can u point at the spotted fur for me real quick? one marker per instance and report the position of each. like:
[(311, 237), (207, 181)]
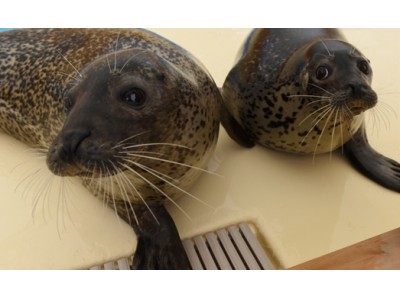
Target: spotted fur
[(132, 158), (272, 92), (304, 91)]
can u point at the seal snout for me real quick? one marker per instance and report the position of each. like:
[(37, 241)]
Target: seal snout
[(362, 91), (361, 98), (356, 99), (62, 158)]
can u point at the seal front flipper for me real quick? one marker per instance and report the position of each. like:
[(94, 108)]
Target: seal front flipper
[(375, 166), (235, 130), (159, 245)]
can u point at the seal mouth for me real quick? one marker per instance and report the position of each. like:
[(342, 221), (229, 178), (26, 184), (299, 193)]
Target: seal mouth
[(352, 105), (358, 106), (356, 110)]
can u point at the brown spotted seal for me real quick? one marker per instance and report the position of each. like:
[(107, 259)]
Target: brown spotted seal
[(131, 113), (304, 91)]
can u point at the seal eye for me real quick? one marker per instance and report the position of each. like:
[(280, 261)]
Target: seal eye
[(363, 67), (134, 97), (322, 73)]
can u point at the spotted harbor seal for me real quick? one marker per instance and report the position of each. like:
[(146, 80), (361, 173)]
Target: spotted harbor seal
[(304, 91), (131, 113)]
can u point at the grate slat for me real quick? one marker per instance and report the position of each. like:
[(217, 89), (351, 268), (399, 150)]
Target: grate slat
[(123, 264), (243, 248), (205, 253), (192, 255), (256, 247), (230, 250), (109, 266), (218, 252)]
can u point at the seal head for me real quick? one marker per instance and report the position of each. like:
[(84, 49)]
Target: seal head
[(119, 114), (332, 84)]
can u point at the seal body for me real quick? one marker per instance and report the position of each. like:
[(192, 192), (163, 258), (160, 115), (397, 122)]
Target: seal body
[(303, 91), (131, 113)]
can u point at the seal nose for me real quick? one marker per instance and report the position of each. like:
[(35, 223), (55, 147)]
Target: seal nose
[(64, 153), (360, 91), (70, 142)]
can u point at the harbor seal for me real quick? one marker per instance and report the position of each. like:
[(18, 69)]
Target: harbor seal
[(133, 115), (304, 91)]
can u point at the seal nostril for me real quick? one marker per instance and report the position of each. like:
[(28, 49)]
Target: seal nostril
[(354, 90), (70, 143), (359, 91)]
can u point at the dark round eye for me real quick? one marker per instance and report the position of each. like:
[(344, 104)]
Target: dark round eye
[(134, 97), (363, 67), (322, 73)]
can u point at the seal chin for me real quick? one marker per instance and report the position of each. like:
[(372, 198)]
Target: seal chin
[(358, 106), (362, 99), (62, 169), (356, 110)]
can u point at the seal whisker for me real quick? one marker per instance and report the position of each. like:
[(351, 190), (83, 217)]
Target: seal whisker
[(174, 162), (126, 200), (23, 163), (40, 190), (309, 96), (388, 108), (143, 152), (106, 182), (60, 208), (68, 75), (153, 170), (341, 129), (124, 192), (108, 63), (112, 192), (128, 60), (133, 188), (66, 197), (319, 101), (76, 70), (31, 175), (35, 182), (148, 170), (384, 111), (383, 115), (314, 112), (115, 53), (326, 47), (324, 90), (376, 119), (36, 150), (127, 139), (156, 144), (157, 189), (333, 131), (316, 121), (93, 172), (331, 110)]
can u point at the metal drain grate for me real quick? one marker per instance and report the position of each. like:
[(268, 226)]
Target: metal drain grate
[(121, 264), (233, 248)]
